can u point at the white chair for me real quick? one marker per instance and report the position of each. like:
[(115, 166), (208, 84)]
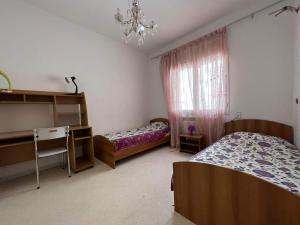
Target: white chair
[(43, 134)]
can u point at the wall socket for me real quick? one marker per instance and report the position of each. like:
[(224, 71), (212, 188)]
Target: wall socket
[(238, 116)]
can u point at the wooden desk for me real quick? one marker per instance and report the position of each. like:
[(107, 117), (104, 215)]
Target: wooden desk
[(18, 146)]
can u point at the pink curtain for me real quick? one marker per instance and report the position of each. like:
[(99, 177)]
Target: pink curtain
[(195, 80)]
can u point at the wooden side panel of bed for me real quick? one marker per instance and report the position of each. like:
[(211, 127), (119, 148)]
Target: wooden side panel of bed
[(104, 149), (261, 126), (124, 153), (212, 195)]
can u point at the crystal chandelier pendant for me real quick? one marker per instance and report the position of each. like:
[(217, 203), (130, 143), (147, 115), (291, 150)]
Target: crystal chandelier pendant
[(135, 25)]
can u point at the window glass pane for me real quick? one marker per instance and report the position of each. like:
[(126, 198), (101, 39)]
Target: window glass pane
[(210, 86), (186, 89)]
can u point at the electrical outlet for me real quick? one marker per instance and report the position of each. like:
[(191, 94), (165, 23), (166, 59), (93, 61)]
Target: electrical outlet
[(238, 115)]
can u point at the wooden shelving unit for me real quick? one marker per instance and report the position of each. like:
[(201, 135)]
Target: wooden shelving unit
[(19, 146), (191, 144), (82, 138)]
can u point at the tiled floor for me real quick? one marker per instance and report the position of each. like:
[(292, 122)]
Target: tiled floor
[(136, 193)]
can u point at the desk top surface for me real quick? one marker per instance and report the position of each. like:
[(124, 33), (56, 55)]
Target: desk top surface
[(28, 133)]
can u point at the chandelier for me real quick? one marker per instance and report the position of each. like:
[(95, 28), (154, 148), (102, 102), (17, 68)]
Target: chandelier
[(135, 23)]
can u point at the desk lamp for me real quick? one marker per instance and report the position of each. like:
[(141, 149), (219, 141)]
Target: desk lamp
[(69, 79)]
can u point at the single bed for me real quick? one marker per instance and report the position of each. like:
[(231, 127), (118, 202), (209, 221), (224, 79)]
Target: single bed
[(113, 147), (249, 177)]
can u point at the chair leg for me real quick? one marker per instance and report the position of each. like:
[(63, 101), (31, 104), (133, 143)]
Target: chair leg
[(37, 172), (63, 160), (68, 159)]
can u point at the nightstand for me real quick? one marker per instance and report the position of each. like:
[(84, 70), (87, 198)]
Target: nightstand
[(191, 143)]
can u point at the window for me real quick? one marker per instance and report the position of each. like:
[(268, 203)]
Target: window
[(195, 79), (186, 94), (201, 89)]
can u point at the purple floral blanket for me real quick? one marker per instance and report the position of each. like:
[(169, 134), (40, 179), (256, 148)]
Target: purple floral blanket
[(130, 138), (270, 158)]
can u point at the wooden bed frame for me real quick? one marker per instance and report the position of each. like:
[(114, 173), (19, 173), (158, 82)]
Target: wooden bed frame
[(261, 126), (104, 149), (213, 195)]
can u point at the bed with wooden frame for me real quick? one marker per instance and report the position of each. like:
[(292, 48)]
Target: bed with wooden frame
[(213, 195), (105, 151)]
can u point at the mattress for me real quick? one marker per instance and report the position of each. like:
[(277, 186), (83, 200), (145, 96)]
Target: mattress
[(270, 158), (130, 138)]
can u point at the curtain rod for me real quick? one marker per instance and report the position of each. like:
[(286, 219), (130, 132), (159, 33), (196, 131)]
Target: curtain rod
[(236, 21)]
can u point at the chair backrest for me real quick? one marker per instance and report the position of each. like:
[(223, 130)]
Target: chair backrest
[(42, 134)]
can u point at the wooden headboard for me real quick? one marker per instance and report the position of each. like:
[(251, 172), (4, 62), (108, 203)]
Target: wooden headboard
[(160, 120), (261, 126)]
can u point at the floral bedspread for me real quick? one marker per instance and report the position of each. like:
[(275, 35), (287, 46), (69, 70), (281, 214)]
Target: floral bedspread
[(270, 158), (130, 138)]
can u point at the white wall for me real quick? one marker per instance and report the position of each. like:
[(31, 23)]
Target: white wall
[(297, 80), (38, 50), (261, 66)]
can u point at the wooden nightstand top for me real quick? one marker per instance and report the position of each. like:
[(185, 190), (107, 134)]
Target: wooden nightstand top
[(199, 136)]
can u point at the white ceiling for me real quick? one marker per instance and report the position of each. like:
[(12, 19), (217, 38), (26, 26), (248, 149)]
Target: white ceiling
[(174, 17)]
